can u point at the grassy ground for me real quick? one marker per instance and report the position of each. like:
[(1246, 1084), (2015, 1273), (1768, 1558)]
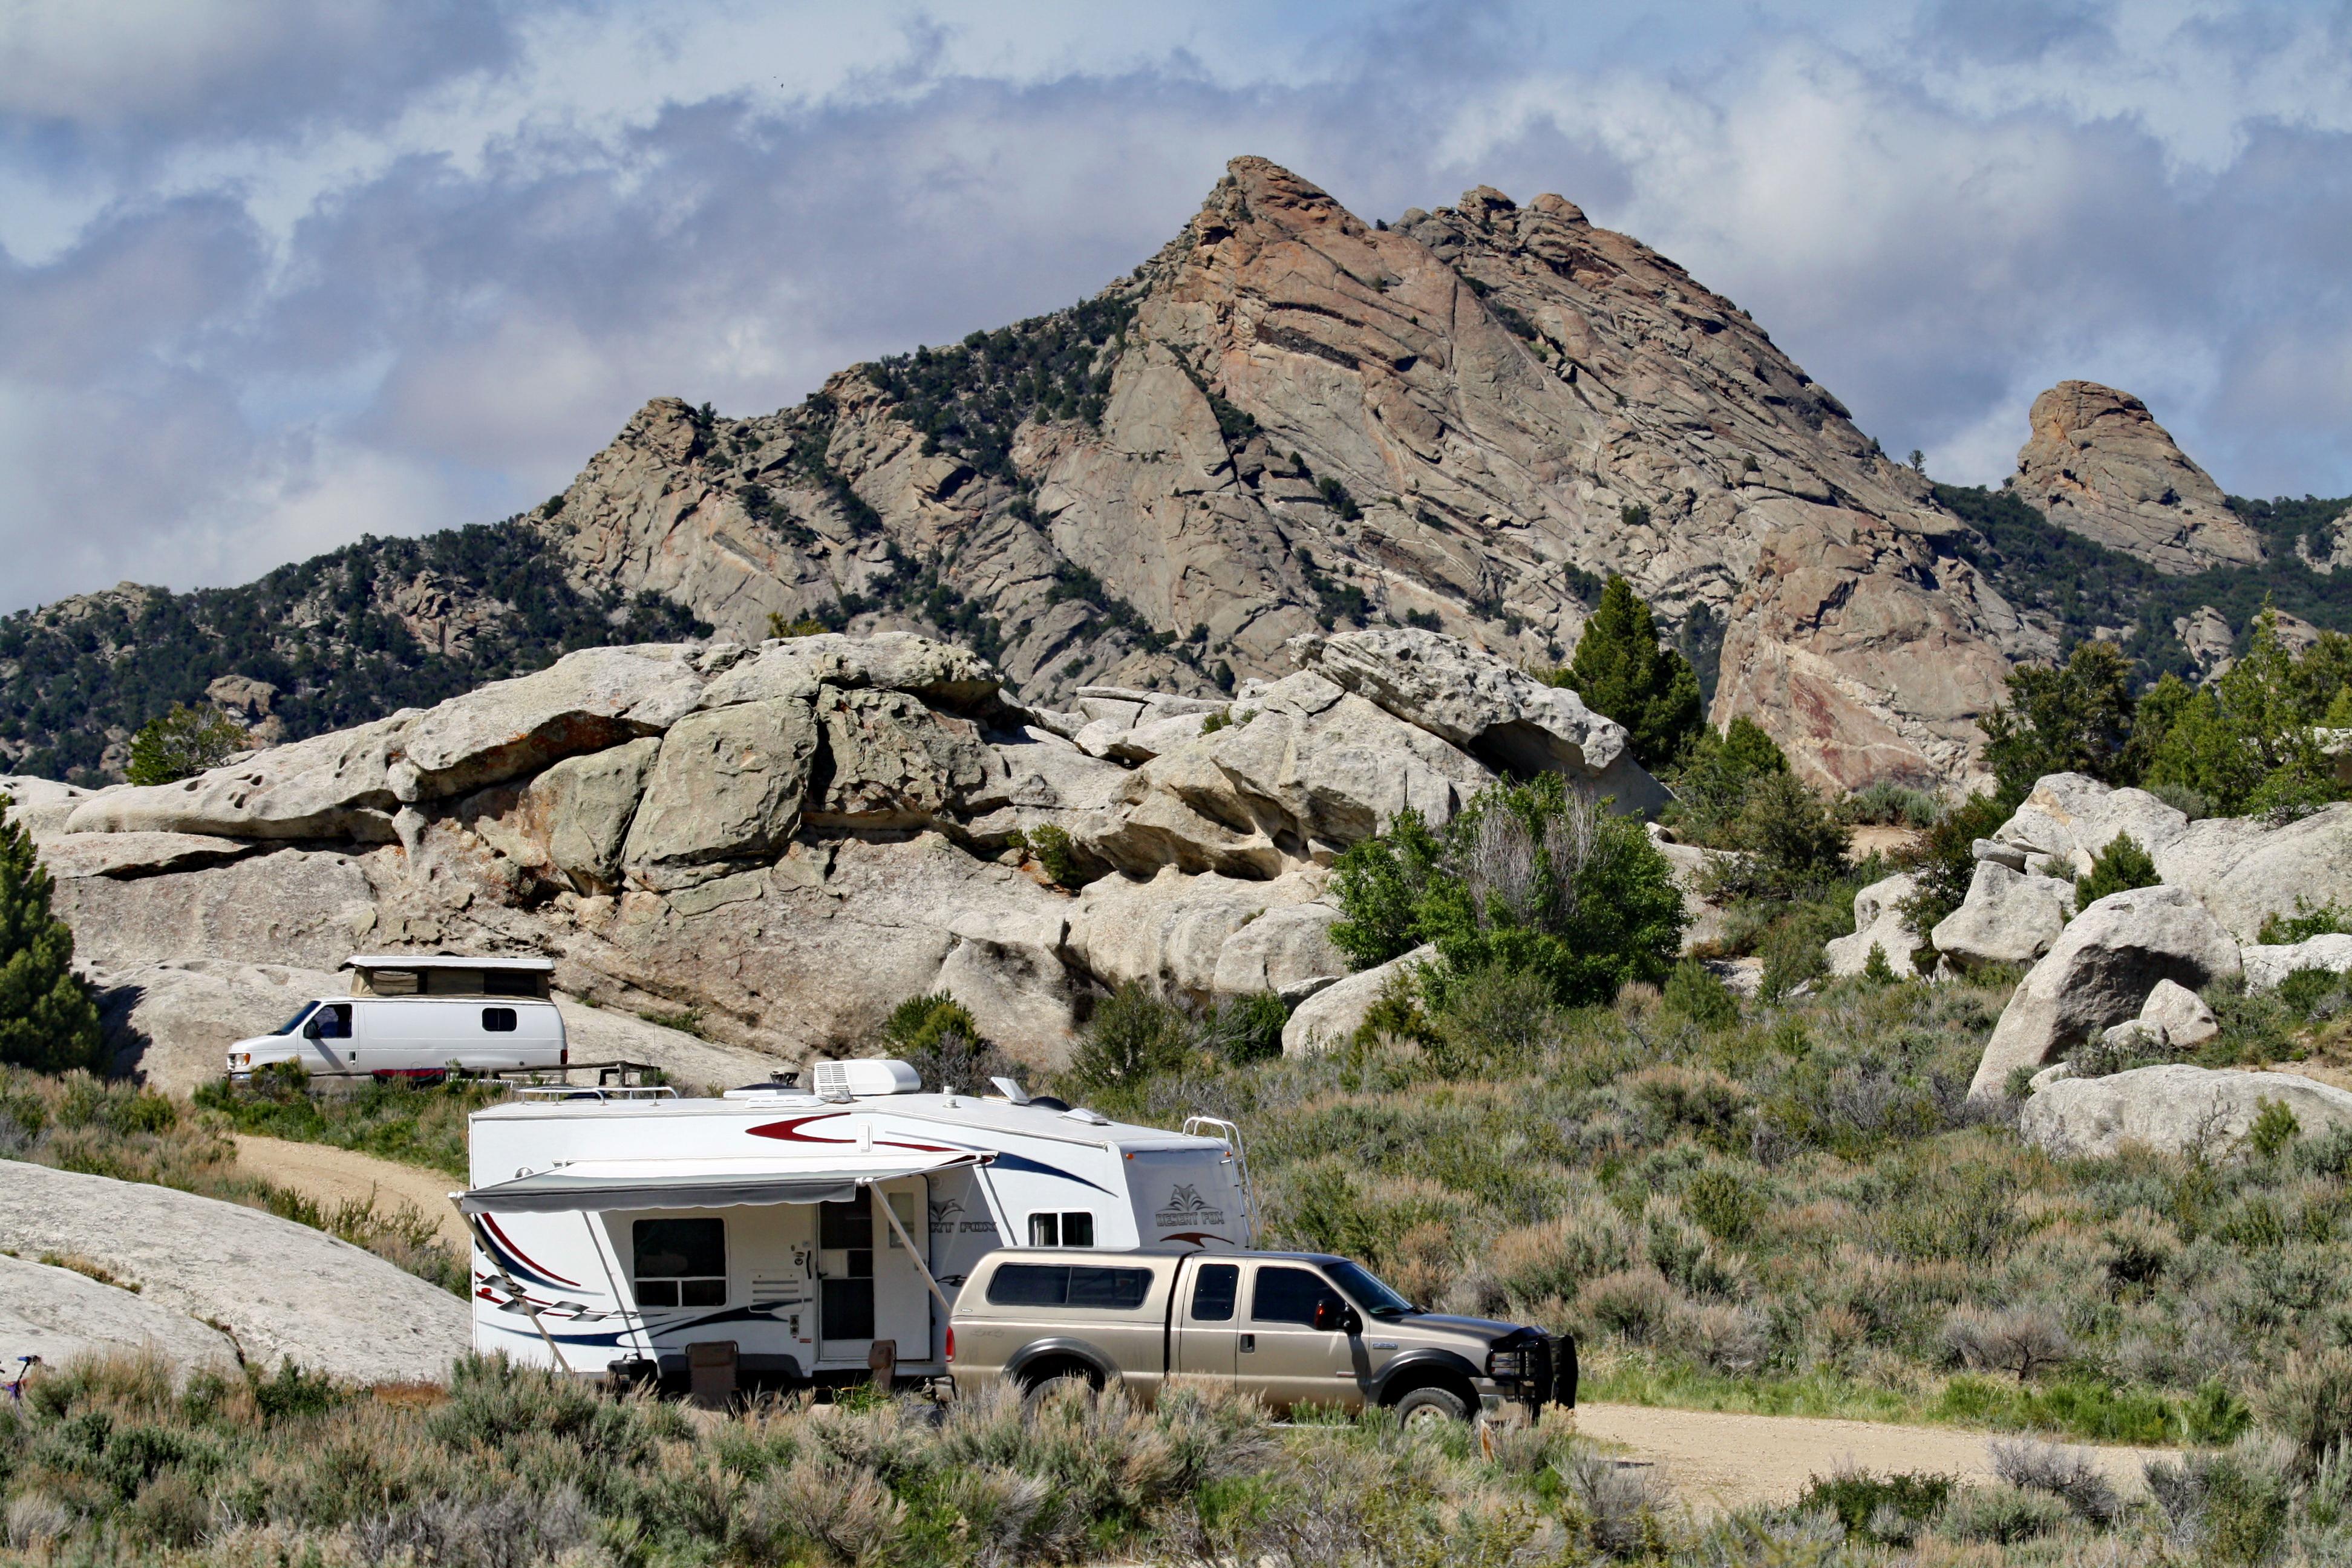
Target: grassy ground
[(112, 1461), (1794, 1207)]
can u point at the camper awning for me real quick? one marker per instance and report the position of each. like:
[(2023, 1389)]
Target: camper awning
[(594, 1185)]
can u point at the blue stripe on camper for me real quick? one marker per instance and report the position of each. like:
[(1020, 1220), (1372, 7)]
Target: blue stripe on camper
[(1022, 1162)]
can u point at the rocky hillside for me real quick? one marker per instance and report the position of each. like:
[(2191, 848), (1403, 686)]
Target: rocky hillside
[(694, 830), (1286, 420)]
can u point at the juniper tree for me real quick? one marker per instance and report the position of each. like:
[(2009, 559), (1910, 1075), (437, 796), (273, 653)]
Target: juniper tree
[(47, 1019), (1620, 672)]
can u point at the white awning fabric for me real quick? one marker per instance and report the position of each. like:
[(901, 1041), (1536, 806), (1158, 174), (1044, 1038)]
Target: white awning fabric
[(593, 1186)]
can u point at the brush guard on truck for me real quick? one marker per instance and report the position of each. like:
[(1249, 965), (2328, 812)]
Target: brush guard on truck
[(1535, 1369)]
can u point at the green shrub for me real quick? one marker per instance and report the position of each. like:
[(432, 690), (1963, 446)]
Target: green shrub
[(2122, 866), (1693, 990), (1888, 803), (1498, 1018), (1867, 1504), (1945, 863), (182, 743), (2274, 1127), (1247, 1029), (2075, 719), (1876, 969), (1528, 877), (918, 1022), (2284, 930), (1715, 781), (1058, 856), (1134, 1034), (1789, 844), (2002, 1515)]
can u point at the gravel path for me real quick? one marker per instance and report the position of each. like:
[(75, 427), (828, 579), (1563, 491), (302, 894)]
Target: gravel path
[(330, 1176), (1724, 1460)]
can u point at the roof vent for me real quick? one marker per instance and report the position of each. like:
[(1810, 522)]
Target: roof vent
[(1091, 1117), (860, 1079)]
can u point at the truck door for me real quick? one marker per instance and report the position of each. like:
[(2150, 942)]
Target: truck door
[(1207, 1319), (1282, 1356), (335, 1038)]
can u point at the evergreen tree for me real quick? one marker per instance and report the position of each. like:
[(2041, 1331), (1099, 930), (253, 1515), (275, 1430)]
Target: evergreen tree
[(48, 1020), (2122, 866), (2074, 719), (1715, 782), (1620, 672), (182, 743)]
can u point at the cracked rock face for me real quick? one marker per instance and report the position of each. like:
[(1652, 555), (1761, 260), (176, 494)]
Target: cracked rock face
[(1306, 420), (2098, 463)]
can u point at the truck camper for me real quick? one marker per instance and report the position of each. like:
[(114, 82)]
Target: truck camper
[(778, 1234), (420, 1015)]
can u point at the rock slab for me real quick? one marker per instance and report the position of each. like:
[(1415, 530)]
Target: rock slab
[(2174, 1108)]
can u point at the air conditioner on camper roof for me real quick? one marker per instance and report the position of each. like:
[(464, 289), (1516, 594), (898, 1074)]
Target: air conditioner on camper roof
[(860, 1079)]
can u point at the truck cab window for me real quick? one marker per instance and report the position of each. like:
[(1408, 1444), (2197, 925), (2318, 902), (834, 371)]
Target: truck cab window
[(1072, 1227), (1288, 1296), (497, 1020), (1215, 1289), (680, 1262)]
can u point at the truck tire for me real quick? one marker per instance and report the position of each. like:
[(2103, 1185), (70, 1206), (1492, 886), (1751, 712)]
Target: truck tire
[(1062, 1380), (1429, 1404)]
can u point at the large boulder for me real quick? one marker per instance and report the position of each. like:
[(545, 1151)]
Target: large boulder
[(2267, 966), (2100, 973), (126, 855), (1173, 931), (2068, 818), (40, 807), (1878, 922), (2174, 1108), (585, 701), (891, 762), (585, 806), (1331, 1016), (1491, 709), (333, 786), (2182, 1014), (57, 1313), (2247, 870), (2009, 917), (300, 908), (279, 1289), (1287, 951), (727, 784), (940, 673), (1304, 771)]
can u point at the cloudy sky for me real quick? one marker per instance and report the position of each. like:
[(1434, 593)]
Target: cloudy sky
[(274, 274)]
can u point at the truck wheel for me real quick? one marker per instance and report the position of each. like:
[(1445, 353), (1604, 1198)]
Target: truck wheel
[(1062, 1382), (1430, 1405)]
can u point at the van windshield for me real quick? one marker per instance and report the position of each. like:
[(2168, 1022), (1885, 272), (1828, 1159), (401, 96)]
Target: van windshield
[(1371, 1295), (294, 1023)]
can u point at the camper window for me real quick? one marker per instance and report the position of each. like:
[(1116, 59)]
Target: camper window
[(1074, 1227), (497, 1020), (508, 982), (680, 1262)]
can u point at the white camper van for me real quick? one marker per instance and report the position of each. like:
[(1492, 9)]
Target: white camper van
[(783, 1236), (413, 1015)]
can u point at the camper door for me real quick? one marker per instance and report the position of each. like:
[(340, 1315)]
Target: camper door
[(868, 1287)]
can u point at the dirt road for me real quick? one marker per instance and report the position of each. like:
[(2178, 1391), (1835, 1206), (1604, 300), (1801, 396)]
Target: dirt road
[(1729, 1461), (330, 1176)]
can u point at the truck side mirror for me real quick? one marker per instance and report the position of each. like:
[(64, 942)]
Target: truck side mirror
[(1335, 1317), (311, 1031)]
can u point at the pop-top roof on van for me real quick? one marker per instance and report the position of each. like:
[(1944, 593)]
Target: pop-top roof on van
[(447, 961)]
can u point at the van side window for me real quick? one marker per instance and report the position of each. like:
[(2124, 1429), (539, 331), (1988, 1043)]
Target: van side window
[(497, 1020), (334, 1021), (507, 983), (680, 1262), (1052, 1285), (1072, 1227), (1288, 1296), (1214, 1291)]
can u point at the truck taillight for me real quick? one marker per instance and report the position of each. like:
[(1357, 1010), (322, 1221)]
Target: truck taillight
[(563, 1057), (951, 1342)]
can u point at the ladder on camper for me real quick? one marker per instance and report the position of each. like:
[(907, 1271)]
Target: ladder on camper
[(1230, 1135)]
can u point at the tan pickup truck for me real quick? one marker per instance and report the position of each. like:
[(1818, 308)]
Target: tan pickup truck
[(1293, 1328)]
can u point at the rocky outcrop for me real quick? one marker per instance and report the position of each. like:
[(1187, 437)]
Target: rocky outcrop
[(2008, 917), (2099, 464), (2172, 1108), (1330, 1018), (586, 701), (1202, 936), (1878, 922), (278, 1289), (334, 786), (2100, 973), (1290, 417), (2267, 966), (2247, 870), (56, 1315), (2068, 819), (728, 785)]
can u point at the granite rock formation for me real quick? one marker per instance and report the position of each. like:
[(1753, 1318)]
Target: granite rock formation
[(2098, 463)]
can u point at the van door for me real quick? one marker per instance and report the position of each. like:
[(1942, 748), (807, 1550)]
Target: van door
[(1208, 1312), (1282, 1356)]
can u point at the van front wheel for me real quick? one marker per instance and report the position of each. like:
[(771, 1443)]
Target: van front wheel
[(1429, 1407)]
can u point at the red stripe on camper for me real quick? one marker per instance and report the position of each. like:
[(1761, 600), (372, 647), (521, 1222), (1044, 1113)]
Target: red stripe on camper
[(788, 1131), (524, 1257)]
